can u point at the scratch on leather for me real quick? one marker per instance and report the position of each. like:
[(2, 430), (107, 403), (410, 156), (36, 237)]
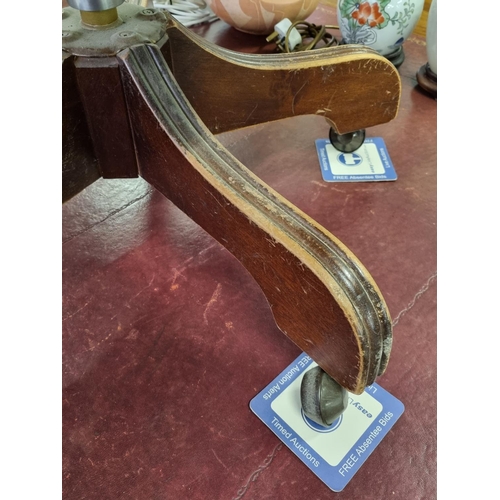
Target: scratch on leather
[(255, 474), (77, 311), (414, 300), (211, 302), (141, 290), (111, 214)]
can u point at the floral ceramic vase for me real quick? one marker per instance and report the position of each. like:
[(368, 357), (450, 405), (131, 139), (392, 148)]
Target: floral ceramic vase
[(259, 16), (382, 25)]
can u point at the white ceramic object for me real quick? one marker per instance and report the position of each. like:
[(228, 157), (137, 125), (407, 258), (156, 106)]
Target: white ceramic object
[(259, 16), (382, 25), (431, 37)]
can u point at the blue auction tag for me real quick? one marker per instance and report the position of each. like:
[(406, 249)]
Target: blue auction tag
[(369, 163), (333, 453)]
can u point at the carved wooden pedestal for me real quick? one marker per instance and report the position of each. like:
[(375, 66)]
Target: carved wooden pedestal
[(146, 102)]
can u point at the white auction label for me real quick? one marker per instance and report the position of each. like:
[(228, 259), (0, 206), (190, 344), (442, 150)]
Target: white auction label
[(333, 453), (369, 163)]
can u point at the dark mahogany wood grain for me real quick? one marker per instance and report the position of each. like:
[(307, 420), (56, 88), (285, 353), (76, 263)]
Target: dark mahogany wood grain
[(320, 295), (352, 86), (79, 163), (100, 87), (141, 122)]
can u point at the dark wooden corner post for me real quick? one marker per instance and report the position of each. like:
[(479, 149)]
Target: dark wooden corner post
[(127, 113)]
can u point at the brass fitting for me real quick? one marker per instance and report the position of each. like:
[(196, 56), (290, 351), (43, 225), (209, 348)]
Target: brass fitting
[(96, 13), (99, 17)]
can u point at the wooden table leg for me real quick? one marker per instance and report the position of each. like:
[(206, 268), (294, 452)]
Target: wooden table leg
[(140, 122), (321, 296), (352, 86), (79, 163)]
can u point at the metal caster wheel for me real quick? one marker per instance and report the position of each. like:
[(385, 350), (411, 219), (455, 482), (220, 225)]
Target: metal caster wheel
[(323, 399), (347, 143)]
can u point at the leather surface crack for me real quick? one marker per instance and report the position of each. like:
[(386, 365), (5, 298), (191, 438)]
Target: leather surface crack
[(111, 214), (414, 300), (255, 474)]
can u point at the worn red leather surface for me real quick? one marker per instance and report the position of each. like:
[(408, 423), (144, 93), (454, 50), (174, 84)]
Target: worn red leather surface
[(166, 338)]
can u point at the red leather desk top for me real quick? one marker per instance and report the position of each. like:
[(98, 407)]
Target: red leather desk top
[(166, 338)]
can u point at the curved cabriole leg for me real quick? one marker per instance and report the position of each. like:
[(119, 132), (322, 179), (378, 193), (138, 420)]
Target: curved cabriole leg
[(352, 86), (321, 296)]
